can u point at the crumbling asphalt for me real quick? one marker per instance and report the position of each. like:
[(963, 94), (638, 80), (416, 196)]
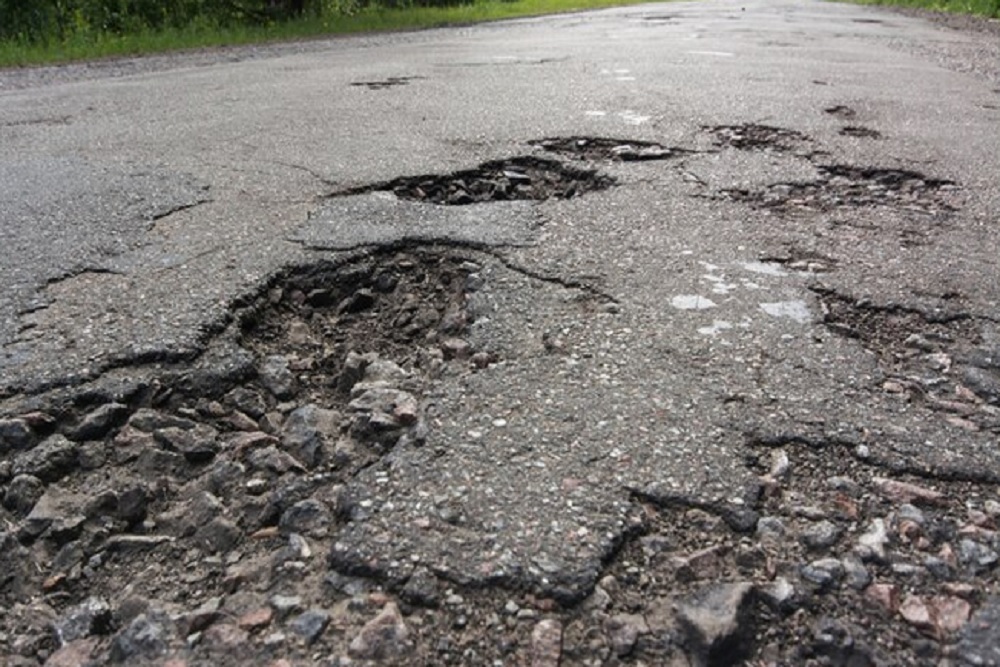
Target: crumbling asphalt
[(660, 335)]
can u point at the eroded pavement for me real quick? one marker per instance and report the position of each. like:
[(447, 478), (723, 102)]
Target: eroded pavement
[(665, 335)]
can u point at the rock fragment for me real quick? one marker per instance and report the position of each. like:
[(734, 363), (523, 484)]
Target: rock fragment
[(715, 623), (546, 643), (384, 637)]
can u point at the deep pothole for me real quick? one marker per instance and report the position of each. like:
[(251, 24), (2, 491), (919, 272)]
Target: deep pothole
[(754, 136), (606, 148), (848, 186), (519, 178)]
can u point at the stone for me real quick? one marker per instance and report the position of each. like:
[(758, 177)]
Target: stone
[(844, 485), (382, 638), (98, 423), (915, 611), (546, 644), (50, 460), (14, 562), (905, 492), (856, 575), (148, 420), (824, 573), (309, 625), (623, 631), (246, 401), (309, 517), (884, 595), (821, 535), (256, 619), (224, 636), (700, 564), (197, 444), (131, 504), (715, 623), (56, 512), (285, 605), (951, 613), (79, 653), (307, 431), (771, 529), (196, 621), (778, 594), (871, 544), (15, 435), (90, 617), (979, 641), (22, 493), (456, 348), (275, 375), (146, 638), (976, 556), (422, 588)]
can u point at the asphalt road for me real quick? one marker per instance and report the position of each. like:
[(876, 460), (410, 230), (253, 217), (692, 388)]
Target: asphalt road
[(140, 200)]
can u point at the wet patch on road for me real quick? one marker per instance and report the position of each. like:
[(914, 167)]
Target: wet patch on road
[(753, 136), (604, 148), (848, 186), (519, 178)]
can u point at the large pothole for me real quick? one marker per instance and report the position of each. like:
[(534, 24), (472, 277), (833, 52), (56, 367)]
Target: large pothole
[(753, 136), (847, 186), (605, 148), (519, 178)]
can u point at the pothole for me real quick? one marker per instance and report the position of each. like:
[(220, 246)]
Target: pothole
[(519, 178), (933, 357), (859, 132), (390, 82), (841, 111), (752, 136), (847, 186), (604, 148), (797, 259)]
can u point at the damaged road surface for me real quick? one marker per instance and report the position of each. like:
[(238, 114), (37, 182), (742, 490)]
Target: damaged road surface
[(341, 353)]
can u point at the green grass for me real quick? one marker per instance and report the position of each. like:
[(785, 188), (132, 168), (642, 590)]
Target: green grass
[(987, 8), (88, 47)]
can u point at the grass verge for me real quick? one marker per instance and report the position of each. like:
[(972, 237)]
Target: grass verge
[(369, 20), (986, 8)]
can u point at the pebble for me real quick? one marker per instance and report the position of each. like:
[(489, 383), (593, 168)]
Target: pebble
[(821, 535), (871, 545), (714, 617), (546, 644), (90, 617), (310, 624), (97, 424), (277, 378), (51, 460), (905, 492), (885, 595), (285, 605), (825, 573), (383, 638), (856, 575), (143, 640), (15, 434), (976, 556)]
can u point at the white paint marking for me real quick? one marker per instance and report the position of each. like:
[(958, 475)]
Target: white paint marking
[(691, 302), (718, 326), (766, 268), (793, 310)]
